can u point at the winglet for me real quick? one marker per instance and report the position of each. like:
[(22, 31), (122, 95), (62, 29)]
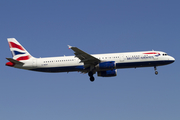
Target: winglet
[(69, 46)]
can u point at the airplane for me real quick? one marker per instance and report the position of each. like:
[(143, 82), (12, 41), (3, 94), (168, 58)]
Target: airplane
[(105, 65)]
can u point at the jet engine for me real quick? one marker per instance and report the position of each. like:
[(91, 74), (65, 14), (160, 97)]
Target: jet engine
[(108, 73), (106, 65)]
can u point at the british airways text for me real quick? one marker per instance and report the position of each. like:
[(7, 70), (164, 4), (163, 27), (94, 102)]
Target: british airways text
[(140, 57)]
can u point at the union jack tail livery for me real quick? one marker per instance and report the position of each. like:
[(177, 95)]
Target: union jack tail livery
[(19, 53)]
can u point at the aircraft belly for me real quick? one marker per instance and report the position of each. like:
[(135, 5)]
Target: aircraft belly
[(142, 64), (59, 69)]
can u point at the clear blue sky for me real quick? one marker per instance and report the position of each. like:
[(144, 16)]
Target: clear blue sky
[(46, 27)]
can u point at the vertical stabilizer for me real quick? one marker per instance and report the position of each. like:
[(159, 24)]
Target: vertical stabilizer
[(19, 53)]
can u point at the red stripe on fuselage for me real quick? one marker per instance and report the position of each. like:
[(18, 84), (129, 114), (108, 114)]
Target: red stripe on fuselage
[(151, 53), (14, 45), (23, 58)]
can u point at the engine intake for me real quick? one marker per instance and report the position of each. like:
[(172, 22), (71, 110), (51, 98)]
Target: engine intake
[(108, 73)]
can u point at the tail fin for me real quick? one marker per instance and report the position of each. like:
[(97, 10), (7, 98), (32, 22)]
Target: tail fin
[(19, 53)]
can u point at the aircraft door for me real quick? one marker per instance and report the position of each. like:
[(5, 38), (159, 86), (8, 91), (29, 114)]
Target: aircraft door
[(34, 63), (121, 58), (155, 57)]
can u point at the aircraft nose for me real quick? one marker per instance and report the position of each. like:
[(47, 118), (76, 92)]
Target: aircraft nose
[(172, 59)]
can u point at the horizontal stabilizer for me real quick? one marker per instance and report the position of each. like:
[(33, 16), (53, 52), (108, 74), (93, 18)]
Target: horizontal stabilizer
[(15, 61)]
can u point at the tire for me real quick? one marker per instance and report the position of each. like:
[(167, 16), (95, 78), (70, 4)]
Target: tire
[(91, 79)]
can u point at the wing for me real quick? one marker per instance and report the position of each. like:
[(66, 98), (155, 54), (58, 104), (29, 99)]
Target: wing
[(86, 58)]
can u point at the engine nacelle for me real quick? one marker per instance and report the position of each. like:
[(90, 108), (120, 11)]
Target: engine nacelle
[(108, 73), (106, 65)]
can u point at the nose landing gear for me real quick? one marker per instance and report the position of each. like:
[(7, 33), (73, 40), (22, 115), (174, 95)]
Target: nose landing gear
[(156, 72)]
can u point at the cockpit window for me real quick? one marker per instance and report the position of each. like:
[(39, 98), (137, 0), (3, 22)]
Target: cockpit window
[(165, 54)]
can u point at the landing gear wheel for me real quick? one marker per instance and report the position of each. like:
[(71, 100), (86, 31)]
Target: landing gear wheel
[(91, 76), (92, 79), (156, 72)]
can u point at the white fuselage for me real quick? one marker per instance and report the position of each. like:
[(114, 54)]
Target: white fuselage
[(122, 60)]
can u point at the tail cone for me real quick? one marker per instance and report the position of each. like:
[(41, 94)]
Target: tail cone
[(11, 64)]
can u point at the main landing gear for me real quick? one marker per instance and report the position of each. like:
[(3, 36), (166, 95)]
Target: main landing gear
[(91, 76), (156, 72)]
